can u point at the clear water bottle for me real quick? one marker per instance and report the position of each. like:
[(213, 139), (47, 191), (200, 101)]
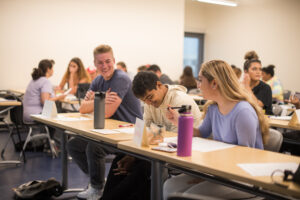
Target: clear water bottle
[(185, 131), (99, 110)]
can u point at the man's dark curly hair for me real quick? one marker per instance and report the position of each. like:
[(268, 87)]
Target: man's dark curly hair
[(142, 82)]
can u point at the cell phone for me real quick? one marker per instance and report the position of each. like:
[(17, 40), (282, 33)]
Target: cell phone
[(165, 149)]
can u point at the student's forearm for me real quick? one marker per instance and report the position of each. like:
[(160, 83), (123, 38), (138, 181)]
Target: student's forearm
[(87, 107)]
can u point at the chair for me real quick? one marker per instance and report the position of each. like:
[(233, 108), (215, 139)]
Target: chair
[(286, 94), (184, 196), (274, 141), (81, 90)]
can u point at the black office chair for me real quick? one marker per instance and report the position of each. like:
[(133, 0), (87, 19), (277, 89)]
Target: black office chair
[(81, 90)]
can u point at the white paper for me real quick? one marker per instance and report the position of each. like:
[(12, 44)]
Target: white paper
[(4, 100), (287, 118), (266, 169), (298, 114), (203, 145), (49, 109), (70, 119), (105, 131), (125, 130), (138, 132)]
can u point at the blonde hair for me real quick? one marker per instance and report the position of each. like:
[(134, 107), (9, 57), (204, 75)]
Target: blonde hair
[(81, 72), (231, 89), (103, 48)]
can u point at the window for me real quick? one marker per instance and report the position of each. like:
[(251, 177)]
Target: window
[(193, 51)]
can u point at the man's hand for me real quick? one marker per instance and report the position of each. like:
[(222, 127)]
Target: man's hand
[(172, 115), (111, 97), (90, 95), (124, 165)]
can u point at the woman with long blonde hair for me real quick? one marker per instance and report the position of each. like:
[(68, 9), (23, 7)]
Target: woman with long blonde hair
[(74, 75), (230, 115)]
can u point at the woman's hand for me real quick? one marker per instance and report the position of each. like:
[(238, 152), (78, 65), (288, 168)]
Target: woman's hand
[(246, 81), (172, 115)]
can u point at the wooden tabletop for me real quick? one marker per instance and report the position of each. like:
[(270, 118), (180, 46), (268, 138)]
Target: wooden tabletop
[(282, 124), (84, 127), (10, 103), (20, 91), (223, 163)]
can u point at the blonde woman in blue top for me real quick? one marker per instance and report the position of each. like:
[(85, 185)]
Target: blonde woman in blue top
[(231, 116)]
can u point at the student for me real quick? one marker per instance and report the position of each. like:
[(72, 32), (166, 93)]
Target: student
[(164, 79), (260, 91), (122, 66), (39, 90), (231, 116), (237, 71), (187, 79), (275, 84), (133, 181), (142, 68), (120, 104), (75, 74)]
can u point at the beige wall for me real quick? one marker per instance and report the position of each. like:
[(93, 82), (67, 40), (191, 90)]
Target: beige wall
[(271, 27), (140, 32)]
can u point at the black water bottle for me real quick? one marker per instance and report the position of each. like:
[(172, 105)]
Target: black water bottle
[(99, 110)]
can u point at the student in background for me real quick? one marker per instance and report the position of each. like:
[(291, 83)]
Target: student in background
[(92, 71), (142, 68), (237, 71), (187, 79), (134, 180), (75, 74), (120, 104), (164, 79), (122, 66), (275, 84), (39, 90), (231, 116), (261, 91)]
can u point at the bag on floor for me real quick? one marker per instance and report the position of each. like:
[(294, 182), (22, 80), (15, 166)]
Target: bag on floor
[(38, 190)]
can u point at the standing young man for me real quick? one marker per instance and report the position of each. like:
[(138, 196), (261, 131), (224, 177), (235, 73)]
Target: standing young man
[(120, 104)]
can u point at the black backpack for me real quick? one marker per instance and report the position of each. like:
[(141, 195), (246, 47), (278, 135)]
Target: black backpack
[(38, 190)]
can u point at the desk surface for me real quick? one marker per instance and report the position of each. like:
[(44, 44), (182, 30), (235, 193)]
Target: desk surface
[(20, 91), (10, 103), (223, 163), (84, 127), (69, 101), (282, 124)]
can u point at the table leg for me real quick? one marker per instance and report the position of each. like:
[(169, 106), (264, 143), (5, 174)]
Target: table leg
[(156, 180), (64, 161)]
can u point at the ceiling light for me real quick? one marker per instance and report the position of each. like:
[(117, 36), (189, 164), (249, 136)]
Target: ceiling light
[(220, 2)]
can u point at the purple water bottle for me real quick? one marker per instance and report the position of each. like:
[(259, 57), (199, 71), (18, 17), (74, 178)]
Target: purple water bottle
[(185, 131)]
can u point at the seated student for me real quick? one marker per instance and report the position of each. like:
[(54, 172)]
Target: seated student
[(122, 66), (120, 104), (187, 79), (39, 90), (164, 79), (273, 82), (129, 178), (75, 74), (237, 71), (231, 116), (260, 91), (142, 68), (92, 71)]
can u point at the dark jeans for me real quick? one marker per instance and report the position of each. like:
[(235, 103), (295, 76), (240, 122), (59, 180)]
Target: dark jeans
[(90, 158), (134, 186)]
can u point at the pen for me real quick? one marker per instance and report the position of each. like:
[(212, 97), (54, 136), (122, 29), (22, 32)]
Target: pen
[(125, 125), (174, 107)]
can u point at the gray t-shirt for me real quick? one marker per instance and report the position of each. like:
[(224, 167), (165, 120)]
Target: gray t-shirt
[(130, 107), (32, 103), (165, 79), (240, 126)]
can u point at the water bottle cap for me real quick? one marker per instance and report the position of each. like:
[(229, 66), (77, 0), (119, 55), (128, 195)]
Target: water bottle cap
[(100, 94), (185, 109)]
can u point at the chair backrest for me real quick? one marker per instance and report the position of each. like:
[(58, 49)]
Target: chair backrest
[(274, 141), (82, 89), (286, 94), (184, 196)]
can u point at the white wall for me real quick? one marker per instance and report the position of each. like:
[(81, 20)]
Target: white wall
[(270, 27), (140, 32)]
